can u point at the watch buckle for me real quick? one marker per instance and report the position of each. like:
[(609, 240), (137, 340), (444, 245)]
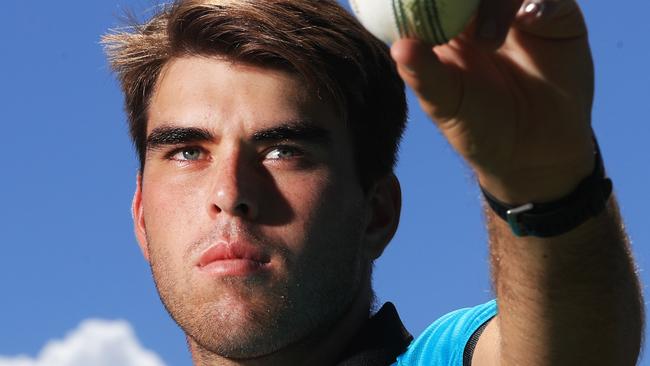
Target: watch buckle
[(513, 219)]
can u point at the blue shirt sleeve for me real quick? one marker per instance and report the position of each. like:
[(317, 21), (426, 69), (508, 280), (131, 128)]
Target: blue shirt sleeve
[(443, 342)]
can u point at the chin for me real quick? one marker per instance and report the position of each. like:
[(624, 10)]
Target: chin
[(237, 329)]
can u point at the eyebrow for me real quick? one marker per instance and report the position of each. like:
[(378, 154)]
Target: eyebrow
[(297, 131), (161, 136)]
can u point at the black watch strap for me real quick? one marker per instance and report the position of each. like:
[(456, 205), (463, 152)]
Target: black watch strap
[(560, 216)]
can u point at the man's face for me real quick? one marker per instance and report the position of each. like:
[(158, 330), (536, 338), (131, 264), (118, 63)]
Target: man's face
[(249, 208)]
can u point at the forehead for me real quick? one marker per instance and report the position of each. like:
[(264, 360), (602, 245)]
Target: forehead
[(218, 93)]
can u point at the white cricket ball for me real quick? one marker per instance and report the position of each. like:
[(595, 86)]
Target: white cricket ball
[(434, 21)]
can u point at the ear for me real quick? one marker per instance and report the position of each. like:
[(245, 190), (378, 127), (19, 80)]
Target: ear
[(138, 218), (384, 208)]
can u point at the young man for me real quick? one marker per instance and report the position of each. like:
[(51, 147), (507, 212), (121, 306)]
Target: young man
[(267, 133)]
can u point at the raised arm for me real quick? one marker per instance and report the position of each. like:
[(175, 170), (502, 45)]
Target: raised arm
[(513, 96)]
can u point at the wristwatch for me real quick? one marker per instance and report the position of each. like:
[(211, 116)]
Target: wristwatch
[(560, 216)]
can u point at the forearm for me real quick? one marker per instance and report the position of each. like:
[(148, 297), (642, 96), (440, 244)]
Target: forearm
[(568, 300), (521, 118)]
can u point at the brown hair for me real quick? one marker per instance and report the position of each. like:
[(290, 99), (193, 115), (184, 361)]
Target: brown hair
[(317, 39)]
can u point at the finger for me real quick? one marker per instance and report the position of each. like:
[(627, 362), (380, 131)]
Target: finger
[(551, 19), (494, 20), (436, 84)]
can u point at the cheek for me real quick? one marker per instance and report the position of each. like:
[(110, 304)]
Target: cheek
[(171, 210), (326, 210), (305, 195)]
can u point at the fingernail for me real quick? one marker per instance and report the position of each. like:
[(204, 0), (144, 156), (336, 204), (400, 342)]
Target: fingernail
[(488, 29), (534, 8)]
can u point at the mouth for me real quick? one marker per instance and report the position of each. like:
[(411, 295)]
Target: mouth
[(233, 259)]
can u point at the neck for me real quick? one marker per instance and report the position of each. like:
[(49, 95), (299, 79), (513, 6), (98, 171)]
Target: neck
[(321, 348)]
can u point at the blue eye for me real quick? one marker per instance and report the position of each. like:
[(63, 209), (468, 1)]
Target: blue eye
[(189, 154), (281, 153)]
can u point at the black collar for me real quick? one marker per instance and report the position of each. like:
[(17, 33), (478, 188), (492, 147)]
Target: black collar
[(381, 339)]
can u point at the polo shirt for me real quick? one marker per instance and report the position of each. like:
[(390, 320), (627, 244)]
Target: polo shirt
[(449, 341)]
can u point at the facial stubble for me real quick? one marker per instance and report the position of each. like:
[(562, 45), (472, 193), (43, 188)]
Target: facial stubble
[(253, 316)]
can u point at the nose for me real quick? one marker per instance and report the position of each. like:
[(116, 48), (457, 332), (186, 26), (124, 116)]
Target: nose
[(234, 191)]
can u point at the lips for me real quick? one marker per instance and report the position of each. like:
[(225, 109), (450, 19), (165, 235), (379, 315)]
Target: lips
[(232, 259)]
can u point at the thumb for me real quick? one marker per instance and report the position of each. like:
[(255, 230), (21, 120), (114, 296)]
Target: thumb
[(437, 85)]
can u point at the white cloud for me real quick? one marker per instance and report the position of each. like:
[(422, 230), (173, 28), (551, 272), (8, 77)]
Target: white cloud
[(93, 343)]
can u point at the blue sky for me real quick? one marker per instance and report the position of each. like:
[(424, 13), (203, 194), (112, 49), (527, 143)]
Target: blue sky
[(67, 176)]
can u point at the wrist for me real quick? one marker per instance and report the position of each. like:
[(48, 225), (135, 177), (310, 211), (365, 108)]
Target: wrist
[(561, 215), (541, 183)]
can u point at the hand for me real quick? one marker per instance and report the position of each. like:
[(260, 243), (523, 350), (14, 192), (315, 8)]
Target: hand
[(513, 95)]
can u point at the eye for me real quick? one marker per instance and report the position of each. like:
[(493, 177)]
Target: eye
[(282, 153), (188, 154)]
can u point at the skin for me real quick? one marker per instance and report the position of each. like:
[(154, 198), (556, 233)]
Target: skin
[(513, 96), (296, 197)]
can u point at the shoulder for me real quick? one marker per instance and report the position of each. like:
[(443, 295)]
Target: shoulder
[(444, 341)]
